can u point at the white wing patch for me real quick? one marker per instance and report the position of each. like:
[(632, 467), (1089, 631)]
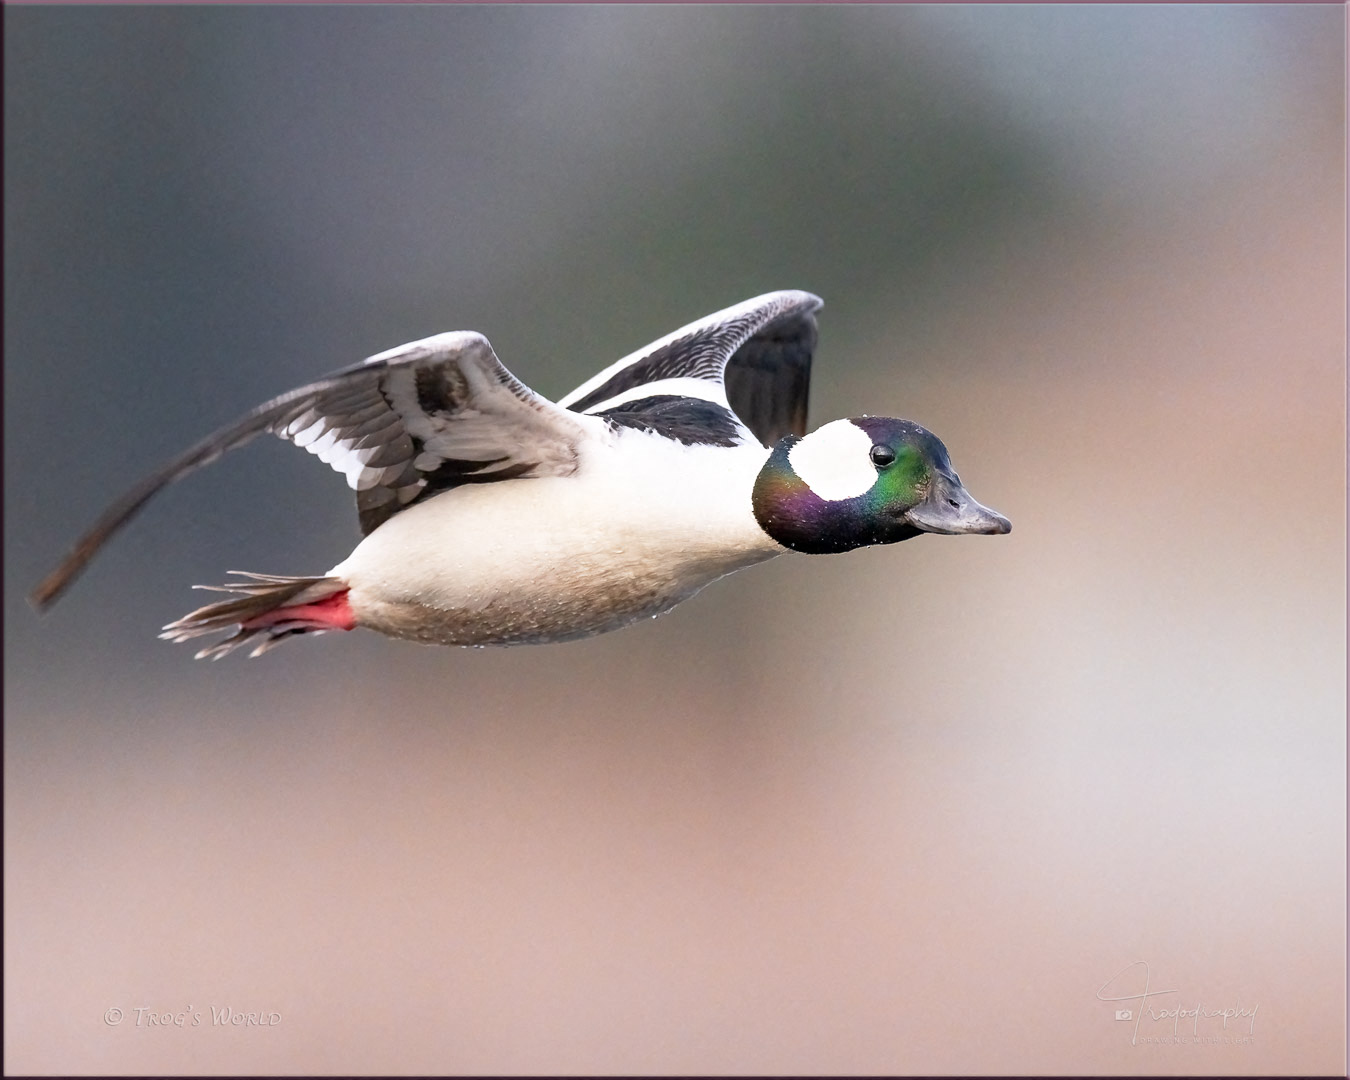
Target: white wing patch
[(770, 337), (737, 323), (834, 462), (346, 455), (703, 389)]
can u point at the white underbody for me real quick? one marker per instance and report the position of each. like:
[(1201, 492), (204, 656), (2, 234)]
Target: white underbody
[(643, 524)]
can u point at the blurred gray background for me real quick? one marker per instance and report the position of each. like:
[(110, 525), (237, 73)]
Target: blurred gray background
[(904, 810)]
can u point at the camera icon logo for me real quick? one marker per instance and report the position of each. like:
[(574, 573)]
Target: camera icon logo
[(1124, 1014)]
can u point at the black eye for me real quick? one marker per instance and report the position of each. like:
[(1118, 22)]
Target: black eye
[(882, 456)]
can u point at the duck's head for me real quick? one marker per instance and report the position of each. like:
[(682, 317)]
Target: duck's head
[(865, 480)]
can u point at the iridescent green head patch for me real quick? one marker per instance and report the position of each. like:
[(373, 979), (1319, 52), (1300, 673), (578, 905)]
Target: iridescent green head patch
[(847, 485)]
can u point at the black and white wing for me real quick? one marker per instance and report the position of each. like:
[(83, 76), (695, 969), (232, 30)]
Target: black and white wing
[(753, 359), (402, 425)]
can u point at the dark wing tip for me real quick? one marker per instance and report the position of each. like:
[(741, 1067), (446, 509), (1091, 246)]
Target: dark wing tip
[(53, 586), (698, 350), (768, 379), (50, 588)]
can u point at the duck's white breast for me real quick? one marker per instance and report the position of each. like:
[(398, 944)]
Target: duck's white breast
[(641, 525)]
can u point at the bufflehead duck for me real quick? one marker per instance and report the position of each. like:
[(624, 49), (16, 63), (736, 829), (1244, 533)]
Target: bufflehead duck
[(493, 516)]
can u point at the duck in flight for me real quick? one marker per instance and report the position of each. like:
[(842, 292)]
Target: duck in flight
[(493, 516)]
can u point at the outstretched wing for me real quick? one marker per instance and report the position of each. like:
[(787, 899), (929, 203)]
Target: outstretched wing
[(754, 359), (418, 419)]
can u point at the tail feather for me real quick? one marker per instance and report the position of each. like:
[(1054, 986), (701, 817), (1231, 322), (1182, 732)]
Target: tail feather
[(269, 607)]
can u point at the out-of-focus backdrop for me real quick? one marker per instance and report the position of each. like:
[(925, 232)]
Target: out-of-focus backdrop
[(913, 809)]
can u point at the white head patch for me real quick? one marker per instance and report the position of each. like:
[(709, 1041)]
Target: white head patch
[(834, 462)]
